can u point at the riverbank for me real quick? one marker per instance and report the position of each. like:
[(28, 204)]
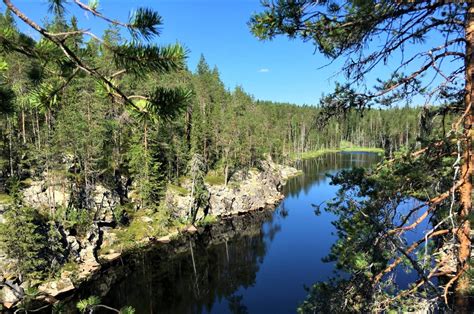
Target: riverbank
[(108, 241), (320, 152), (246, 263), (127, 273)]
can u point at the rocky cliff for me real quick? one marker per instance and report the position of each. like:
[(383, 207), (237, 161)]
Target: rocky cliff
[(245, 191), (249, 190)]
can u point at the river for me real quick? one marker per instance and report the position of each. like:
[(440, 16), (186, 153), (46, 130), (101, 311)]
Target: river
[(263, 270)]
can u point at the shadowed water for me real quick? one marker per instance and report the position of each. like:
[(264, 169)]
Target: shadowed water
[(264, 271)]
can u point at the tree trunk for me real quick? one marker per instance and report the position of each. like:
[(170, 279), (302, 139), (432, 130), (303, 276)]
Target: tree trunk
[(188, 126), (10, 147), (38, 129), (226, 173), (465, 190), (23, 132), (191, 203), (145, 137)]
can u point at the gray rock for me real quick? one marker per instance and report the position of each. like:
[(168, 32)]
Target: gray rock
[(246, 191), (57, 287), (52, 193), (73, 247), (9, 297)]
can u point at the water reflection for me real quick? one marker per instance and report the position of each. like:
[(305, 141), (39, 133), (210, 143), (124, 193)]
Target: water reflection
[(193, 282), (315, 170), (262, 269)]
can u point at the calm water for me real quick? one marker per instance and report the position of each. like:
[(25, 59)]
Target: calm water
[(264, 271)]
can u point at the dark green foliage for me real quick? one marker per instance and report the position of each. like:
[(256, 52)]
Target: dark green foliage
[(69, 126), (199, 192), (32, 240), (146, 22), (369, 206), (56, 7), (167, 103), (6, 100), (142, 58)]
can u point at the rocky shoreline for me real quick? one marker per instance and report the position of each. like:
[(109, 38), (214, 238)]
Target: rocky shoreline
[(250, 191), (225, 229)]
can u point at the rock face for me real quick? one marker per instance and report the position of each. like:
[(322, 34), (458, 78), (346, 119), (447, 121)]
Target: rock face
[(246, 191), (42, 194)]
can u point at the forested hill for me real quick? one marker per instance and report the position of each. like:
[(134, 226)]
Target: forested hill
[(56, 119), (51, 122)]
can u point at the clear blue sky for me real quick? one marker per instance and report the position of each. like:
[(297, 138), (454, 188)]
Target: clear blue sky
[(279, 70)]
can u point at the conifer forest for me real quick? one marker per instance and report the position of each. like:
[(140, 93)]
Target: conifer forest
[(136, 176)]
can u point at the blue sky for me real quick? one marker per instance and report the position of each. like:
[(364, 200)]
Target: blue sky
[(280, 70)]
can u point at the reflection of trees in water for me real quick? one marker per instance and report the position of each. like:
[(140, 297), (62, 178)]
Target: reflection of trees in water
[(235, 304), (282, 211), (314, 170), (193, 283), (271, 232), (213, 274)]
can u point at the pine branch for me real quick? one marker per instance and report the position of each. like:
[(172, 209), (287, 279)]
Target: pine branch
[(70, 54), (139, 58), (145, 22), (166, 103)]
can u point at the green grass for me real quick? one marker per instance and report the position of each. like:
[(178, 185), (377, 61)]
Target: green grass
[(320, 152), (5, 198), (178, 189), (26, 183), (214, 179), (207, 220), (233, 185), (140, 229)]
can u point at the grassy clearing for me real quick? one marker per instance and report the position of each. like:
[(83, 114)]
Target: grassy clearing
[(142, 226), (320, 152)]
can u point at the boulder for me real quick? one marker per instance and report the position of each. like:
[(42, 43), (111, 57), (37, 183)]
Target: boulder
[(87, 269), (179, 204), (90, 245), (57, 287), (9, 297), (109, 237), (105, 201), (73, 248), (191, 229), (110, 257), (165, 239)]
